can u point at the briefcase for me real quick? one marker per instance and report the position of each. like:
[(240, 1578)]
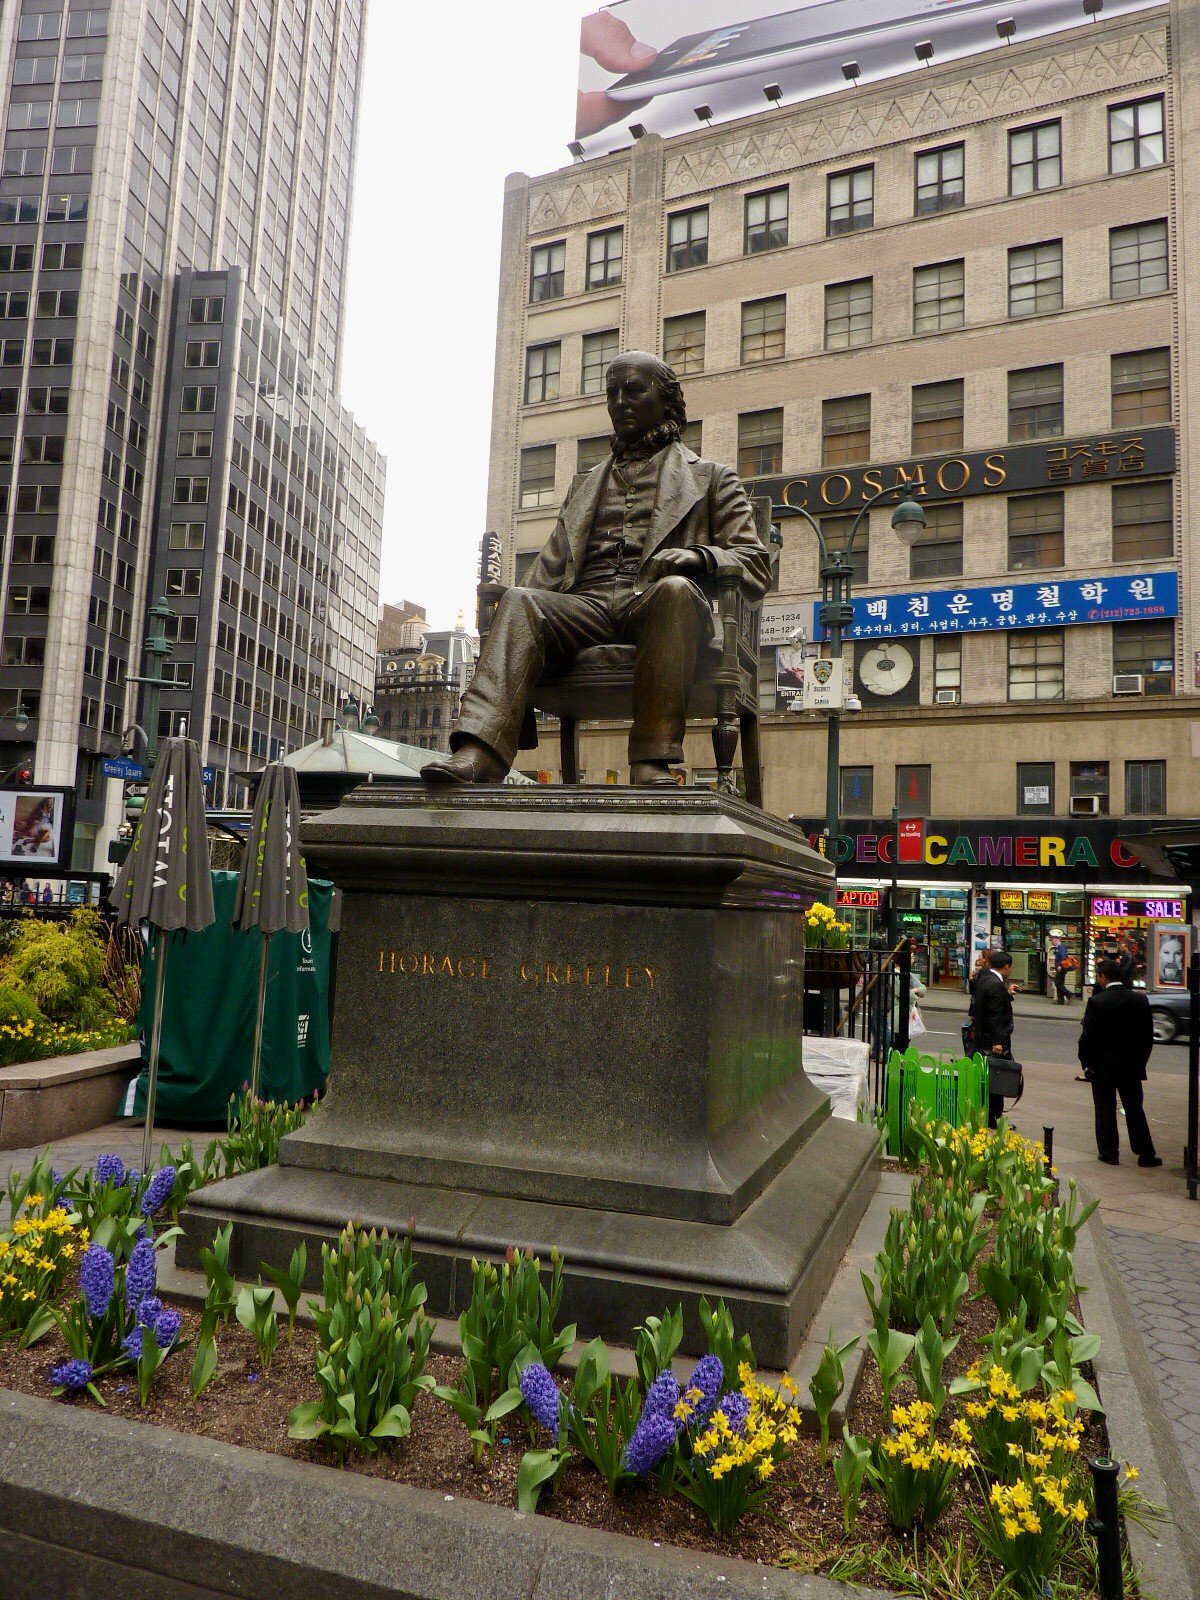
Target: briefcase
[(1006, 1078)]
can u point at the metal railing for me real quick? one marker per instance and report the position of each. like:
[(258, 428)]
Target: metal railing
[(865, 995)]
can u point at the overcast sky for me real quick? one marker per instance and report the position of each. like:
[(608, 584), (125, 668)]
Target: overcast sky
[(454, 98)]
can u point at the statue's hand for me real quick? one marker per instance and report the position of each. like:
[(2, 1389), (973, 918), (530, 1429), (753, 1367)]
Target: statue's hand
[(675, 563)]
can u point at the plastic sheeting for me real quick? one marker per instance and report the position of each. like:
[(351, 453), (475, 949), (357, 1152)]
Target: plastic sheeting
[(839, 1068)]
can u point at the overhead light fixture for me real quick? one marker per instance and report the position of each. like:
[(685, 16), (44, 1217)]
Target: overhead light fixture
[(704, 114), (638, 130), (851, 71), (909, 519), (924, 51), (576, 149), (1006, 27), (773, 93), (1093, 8)]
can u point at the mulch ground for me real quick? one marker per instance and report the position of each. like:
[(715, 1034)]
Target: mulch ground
[(245, 1406)]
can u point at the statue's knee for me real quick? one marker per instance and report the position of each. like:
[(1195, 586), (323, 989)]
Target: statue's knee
[(516, 599), (674, 588)]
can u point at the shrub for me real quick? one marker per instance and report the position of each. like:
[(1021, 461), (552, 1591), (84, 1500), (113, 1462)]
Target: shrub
[(61, 967), (20, 1020)]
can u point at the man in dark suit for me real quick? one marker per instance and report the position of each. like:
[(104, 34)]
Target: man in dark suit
[(632, 560), (1114, 1047), (992, 1013)]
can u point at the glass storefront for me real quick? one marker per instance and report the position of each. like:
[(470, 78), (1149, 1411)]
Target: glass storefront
[(1030, 921)]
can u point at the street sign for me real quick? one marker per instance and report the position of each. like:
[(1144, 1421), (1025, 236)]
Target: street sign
[(123, 767), (210, 774), (825, 684)]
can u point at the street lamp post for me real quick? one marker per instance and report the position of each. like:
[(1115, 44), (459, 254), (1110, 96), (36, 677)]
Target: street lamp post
[(837, 612)]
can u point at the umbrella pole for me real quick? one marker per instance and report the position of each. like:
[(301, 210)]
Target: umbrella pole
[(160, 979), (256, 1069)]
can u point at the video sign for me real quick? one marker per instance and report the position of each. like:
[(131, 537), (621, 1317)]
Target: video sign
[(37, 827), (1152, 907), (654, 62)]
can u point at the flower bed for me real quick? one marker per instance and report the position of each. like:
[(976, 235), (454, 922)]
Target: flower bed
[(962, 1458)]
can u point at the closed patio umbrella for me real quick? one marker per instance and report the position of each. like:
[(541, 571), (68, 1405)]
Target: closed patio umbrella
[(165, 880), (272, 891)]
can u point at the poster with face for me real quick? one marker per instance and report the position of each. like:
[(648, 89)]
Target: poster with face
[(30, 826), (1171, 955)]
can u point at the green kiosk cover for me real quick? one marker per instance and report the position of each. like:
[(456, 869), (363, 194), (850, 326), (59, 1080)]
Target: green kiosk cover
[(208, 1012)]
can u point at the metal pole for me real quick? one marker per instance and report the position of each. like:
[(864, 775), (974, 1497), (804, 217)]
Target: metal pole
[(264, 957), (1191, 1155), (893, 910), (837, 585), (162, 943), (904, 962), (1105, 1528)]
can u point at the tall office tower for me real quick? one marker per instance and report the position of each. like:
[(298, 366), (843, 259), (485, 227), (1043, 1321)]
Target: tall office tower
[(174, 213)]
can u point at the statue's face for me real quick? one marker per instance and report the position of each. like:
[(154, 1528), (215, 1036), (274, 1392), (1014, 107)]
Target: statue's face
[(635, 401)]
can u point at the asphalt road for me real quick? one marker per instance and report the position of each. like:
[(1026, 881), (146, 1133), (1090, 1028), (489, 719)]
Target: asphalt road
[(1051, 1037)]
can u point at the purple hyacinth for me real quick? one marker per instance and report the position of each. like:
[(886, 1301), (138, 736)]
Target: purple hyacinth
[(662, 1396), (708, 1377), (149, 1311), (540, 1393), (73, 1376), (650, 1441), (110, 1169), (158, 1192), (132, 1178), (735, 1408), (140, 1274), (97, 1275), (131, 1344), (166, 1329)]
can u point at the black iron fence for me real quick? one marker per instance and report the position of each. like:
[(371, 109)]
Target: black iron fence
[(861, 994)]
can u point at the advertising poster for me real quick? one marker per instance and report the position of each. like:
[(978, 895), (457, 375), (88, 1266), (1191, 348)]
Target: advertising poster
[(32, 826), (657, 61)]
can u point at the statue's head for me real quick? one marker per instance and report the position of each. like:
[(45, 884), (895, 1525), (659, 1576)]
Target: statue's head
[(645, 400)]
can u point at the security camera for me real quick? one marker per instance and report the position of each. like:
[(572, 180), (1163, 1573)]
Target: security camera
[(853, 703), (798, 636)]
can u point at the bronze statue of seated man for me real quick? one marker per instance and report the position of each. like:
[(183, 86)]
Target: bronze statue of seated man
[(631, 561)]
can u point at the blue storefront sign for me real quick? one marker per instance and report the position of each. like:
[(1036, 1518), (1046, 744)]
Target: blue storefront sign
[(1062, 603)]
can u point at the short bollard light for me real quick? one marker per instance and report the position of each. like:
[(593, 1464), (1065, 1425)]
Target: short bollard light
[(1105, 1528)]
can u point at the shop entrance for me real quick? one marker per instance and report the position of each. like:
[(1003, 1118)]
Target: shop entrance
[(1027, 932), (936, 919)]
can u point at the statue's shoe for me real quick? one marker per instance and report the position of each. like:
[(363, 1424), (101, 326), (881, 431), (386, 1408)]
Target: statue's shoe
[(472, 764), (651, 775)]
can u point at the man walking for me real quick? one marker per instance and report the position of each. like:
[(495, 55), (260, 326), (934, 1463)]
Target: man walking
[(992, 1013), (1114, 1047), (1062, 965)]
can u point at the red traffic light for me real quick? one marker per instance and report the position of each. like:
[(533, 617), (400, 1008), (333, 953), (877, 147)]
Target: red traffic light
[(24, 777)]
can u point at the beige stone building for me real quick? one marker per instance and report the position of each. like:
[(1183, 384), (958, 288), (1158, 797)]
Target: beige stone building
[(976, 279)]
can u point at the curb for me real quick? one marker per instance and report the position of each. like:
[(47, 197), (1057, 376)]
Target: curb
[(1138, 1427), (211, 1521)]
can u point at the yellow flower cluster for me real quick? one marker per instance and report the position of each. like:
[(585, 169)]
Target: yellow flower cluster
[(914, 1442), (822, 916), (771, 1429), (685, 1408), (34, 1255), (1022, 1506)]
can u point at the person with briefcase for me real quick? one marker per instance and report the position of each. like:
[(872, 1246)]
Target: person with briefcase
[(1114, 1047), (992, 1022)]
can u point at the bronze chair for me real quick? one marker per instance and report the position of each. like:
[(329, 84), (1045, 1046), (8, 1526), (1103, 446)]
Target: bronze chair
[(598, 685)]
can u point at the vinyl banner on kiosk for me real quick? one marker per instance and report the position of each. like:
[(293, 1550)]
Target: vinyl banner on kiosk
[(657, 61)]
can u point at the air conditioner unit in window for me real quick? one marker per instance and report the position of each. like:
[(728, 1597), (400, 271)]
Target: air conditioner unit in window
[(1128, 683), (1085, 805), (945, 697)]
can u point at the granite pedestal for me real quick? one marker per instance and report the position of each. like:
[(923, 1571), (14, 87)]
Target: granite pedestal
[(573, 1018)]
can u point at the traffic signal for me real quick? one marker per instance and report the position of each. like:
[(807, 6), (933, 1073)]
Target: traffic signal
[(19, 775)]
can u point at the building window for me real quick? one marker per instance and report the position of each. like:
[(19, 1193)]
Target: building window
[(543, 366), (1035, 664), (760, 443), (186, 536), (1035, 402), (1035, 279), (195, 442), (937, 416), (938, 297), (687, 239), (764, 329), (850, 200), (184, 581), (938, 553), (912, 791), (849, 308), (846, 430), (1089, 787), (857, 796), (1147, 648), (591, 452), (1145, 788), (1138, 260), (521, 565), (940, 179), (837, 532), (1143, 520), (25, 161), (1035, 158), (947, 671), (683, 343), (547, 268), (600, 350), (1035, 788), (191, 491), (199, 398), (1141, 388), (1035, 531), (766, 225), (1137, 135), (537, 476), (605, 258), (207, 308), (691, 436), (202, 353)]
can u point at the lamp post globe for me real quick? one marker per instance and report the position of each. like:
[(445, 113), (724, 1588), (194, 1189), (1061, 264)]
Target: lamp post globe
[(20, 719), (908, 519)]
